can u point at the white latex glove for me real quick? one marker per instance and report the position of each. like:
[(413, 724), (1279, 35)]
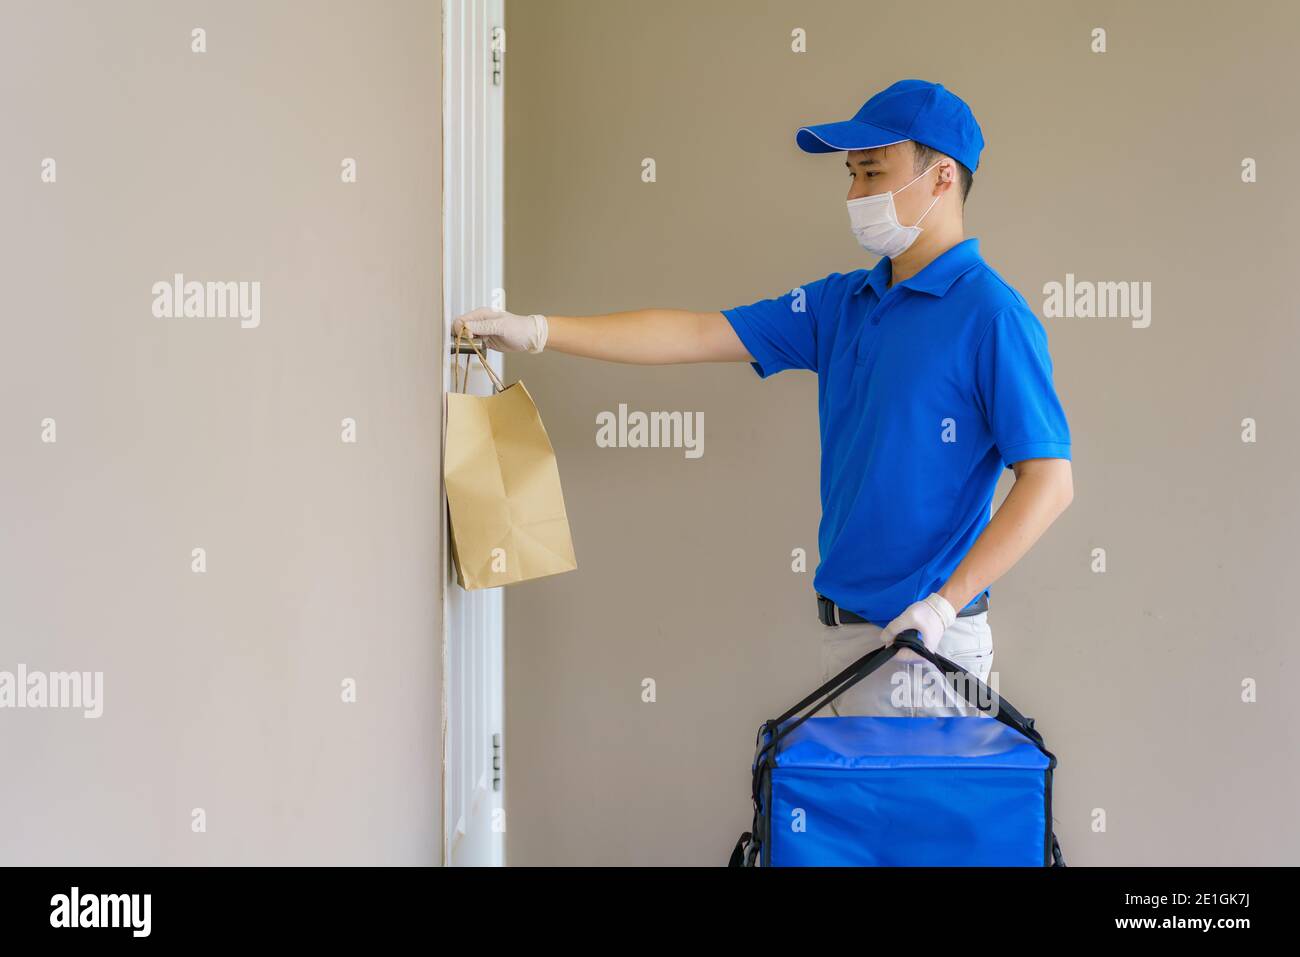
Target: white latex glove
[(503, 331), (931, 616)]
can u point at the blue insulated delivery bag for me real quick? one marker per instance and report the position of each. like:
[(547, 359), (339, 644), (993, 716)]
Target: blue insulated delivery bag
[(901, 791)]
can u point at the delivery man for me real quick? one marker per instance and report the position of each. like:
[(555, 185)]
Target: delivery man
[(933, 375)]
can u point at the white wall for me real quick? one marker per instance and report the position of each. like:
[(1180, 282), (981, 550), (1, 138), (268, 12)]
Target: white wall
[(222, 689)]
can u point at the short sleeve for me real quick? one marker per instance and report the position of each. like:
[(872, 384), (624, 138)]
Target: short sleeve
[(781, 333), (1013, 383)]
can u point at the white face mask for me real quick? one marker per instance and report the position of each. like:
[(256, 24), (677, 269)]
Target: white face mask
[(874, 220)]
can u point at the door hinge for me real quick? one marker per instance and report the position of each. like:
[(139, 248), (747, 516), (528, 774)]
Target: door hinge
[(496, 762), (498, 54)]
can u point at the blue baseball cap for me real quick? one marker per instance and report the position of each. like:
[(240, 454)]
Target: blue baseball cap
[(907, 110)]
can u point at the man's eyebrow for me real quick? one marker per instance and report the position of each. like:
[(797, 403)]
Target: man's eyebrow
[(864, 161)]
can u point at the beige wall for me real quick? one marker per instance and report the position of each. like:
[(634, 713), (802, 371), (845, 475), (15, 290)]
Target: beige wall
[(222, 690), (1115, 166)]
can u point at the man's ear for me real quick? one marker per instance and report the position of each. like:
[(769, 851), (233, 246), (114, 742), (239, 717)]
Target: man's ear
[(948, 171)]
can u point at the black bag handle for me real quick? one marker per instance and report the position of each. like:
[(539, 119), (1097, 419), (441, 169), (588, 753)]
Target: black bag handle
[(1002, 709), (738, 852)]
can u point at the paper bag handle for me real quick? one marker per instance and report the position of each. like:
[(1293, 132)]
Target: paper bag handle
[(459, 385)]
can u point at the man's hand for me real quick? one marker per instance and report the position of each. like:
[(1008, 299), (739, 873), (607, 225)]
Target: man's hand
[(503, 331), (931, 616)]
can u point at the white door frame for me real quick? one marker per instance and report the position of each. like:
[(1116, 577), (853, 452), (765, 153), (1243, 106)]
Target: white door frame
[(473, 732)]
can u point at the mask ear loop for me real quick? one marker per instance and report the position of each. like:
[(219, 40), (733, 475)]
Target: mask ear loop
[(927, 211), (919, 175), (928, 208)]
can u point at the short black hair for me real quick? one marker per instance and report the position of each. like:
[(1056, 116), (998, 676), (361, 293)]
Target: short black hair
[(924, 157)]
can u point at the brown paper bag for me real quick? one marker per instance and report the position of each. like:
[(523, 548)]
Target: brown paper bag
[(508, 522)]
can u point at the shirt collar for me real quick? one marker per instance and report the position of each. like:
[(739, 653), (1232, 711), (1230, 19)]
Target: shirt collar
[(936, 278)]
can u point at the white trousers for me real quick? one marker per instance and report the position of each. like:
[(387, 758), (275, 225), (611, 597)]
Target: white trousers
[(906, 685)]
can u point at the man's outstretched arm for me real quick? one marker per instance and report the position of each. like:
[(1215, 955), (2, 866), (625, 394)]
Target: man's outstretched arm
[(643, 336)]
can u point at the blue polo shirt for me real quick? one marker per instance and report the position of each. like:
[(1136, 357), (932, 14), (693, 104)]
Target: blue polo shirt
[(926, 391)]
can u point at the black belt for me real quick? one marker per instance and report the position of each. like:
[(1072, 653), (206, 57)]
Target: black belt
[(827, 611)]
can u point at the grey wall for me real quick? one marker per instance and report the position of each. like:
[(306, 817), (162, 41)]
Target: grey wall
[(222, 690), (1122, 166)]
